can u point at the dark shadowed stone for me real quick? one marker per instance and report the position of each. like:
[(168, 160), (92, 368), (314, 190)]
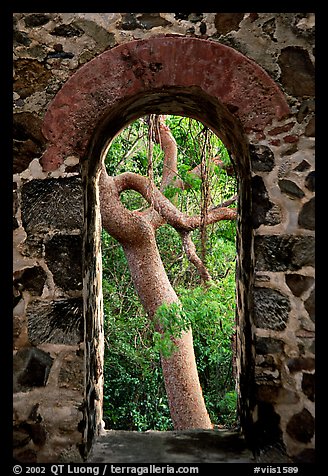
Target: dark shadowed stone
[(261, 204), (28, 456), (262, 158), (267, 427), (52, 204), (33, 280), (309, 305), (307, 107), (306, 218), (36, 19), (308, 386), (63, 254), (304, 165), (267, 362), (297, 71), (60, 54), (31, 367), (283, 252), (146, 20), (72, 372), (67, 31), (129, 21), (305, 456), (301, 426), (59, 321), (300, 363), (151, 20), (310, 181), (290, 188), (20, 437), (276, 394), (298, 283), (28, 126), (269, 27), (23, 153), (267, 345), (33, 246), (226, 22), (38, 433), (271, 309), (21, 38), (310, 128)]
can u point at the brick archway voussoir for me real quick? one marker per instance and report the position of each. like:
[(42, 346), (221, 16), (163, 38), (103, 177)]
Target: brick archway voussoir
[(144, 67)]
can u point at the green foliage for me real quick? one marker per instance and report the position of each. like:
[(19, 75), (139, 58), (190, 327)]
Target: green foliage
[(134, 392)]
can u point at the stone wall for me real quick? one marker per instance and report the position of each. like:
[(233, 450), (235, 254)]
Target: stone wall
[(57, 289)]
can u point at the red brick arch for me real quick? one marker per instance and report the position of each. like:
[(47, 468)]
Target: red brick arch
[(171, 75), (175, 74)]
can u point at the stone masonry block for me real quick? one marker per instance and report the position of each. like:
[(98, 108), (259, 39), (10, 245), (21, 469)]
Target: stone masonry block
[(59, 321), (283, 252), (52, 204), (271, 309), (31, 367), (63, 254)]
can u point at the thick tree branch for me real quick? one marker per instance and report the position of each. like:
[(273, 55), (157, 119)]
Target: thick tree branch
[(180, 221), (192, 256)]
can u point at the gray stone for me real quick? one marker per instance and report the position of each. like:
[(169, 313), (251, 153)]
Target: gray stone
[(58, 322), (103, 38), (283, 252), (190, 446), (271, 309)]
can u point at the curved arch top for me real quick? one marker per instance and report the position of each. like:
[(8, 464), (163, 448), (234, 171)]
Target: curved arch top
[(144, 67)]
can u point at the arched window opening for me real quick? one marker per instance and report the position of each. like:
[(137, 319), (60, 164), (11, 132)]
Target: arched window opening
[(192, 168)]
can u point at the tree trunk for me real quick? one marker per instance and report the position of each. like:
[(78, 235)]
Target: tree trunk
[(136, 234), (187, 406)]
